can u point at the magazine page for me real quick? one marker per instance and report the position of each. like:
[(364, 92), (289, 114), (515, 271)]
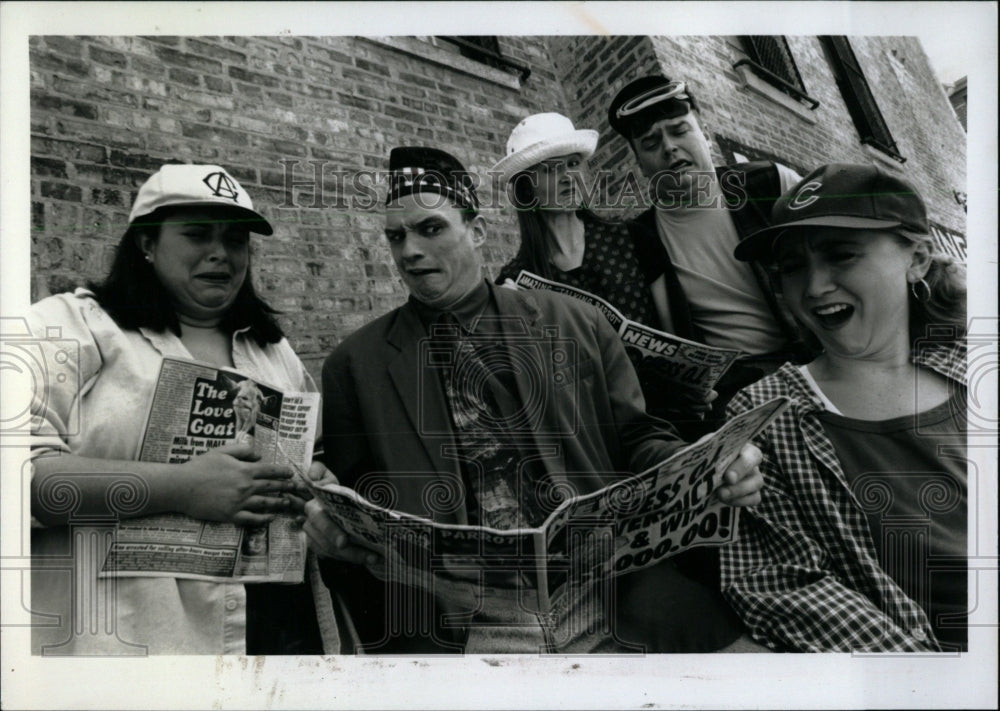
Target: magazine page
[(197, 408), (661, 359), (673, 359)]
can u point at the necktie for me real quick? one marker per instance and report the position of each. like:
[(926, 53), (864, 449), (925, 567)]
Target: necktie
[(502, 491)]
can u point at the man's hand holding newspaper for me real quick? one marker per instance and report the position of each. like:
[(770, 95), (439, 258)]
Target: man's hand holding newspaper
[(325, 536), (741, 486), (685, 501)]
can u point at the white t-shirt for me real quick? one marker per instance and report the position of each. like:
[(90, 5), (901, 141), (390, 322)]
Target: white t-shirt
[(727, 304)]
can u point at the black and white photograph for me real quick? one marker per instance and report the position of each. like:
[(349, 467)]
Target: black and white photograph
[(698, 299)]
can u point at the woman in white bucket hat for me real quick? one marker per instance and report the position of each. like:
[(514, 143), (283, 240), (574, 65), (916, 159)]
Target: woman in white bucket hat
[(561, 239)]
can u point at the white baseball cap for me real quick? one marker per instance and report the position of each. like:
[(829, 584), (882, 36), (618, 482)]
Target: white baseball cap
[(197, 186), (543, 136)]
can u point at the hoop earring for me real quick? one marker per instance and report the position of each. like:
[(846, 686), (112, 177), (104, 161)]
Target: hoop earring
[(926, 296)]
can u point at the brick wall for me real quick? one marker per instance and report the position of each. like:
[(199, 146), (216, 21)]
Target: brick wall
[(108, 111), (912, 103), (593, 70)]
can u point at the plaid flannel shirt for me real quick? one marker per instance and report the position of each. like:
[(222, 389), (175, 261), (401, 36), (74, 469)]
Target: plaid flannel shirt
[(804, 574)]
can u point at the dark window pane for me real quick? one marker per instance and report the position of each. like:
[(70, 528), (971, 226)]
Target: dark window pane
[(486, 50), (858, 96), (773, 54)]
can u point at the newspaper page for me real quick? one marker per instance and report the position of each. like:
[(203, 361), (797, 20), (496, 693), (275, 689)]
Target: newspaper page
[(674, 359), (446, 559), (527, 280), (197, 408), (625, 526), (657, 514)]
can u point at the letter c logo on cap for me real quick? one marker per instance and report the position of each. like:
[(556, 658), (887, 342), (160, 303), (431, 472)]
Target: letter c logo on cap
[(805, 196)]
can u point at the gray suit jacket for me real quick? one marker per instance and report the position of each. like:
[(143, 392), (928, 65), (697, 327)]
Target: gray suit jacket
[(386, 422), (387, 433)]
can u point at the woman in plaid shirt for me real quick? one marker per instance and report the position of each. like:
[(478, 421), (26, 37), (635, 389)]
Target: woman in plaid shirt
[(859, 543)]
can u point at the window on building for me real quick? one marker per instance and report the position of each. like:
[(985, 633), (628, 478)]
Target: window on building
[(486, 50), (858, 96), (773, 56)]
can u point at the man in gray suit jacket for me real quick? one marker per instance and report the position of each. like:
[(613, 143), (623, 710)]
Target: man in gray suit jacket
[(562, 407)]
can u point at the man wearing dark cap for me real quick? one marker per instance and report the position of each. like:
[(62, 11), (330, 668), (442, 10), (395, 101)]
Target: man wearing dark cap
[(686, 240), (490, 394)]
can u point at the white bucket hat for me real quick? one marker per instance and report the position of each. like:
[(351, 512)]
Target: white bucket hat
[(543, 136), (196, 186)]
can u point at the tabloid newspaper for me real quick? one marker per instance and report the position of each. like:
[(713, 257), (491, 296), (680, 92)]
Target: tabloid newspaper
[(626, 526), (678, 360), (196, 408)]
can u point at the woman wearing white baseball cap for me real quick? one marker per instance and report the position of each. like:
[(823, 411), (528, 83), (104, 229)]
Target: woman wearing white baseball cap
[(179, 286)]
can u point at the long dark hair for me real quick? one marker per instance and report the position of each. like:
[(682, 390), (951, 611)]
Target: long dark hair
[(535, 252), (536, 248), (133, 296)]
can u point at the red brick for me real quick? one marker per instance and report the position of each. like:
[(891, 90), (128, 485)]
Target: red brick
[(65, 65), (211, 133), (61, 191), (190, 61), (103, 56), (208, 49), (95, 94), (184, 76), (163, 39), (49, 168), (256, 78), (280, 99), (140, 161), (73, 150), (354, 101), (223, 86), (104, 196)]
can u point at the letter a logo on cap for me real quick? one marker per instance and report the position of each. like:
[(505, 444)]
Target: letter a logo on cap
[(221, 185), (804, 197)]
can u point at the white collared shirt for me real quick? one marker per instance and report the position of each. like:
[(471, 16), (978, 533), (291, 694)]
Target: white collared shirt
[(98, 386)]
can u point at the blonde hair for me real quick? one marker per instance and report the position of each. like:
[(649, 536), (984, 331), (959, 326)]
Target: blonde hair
[(942, 315)]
